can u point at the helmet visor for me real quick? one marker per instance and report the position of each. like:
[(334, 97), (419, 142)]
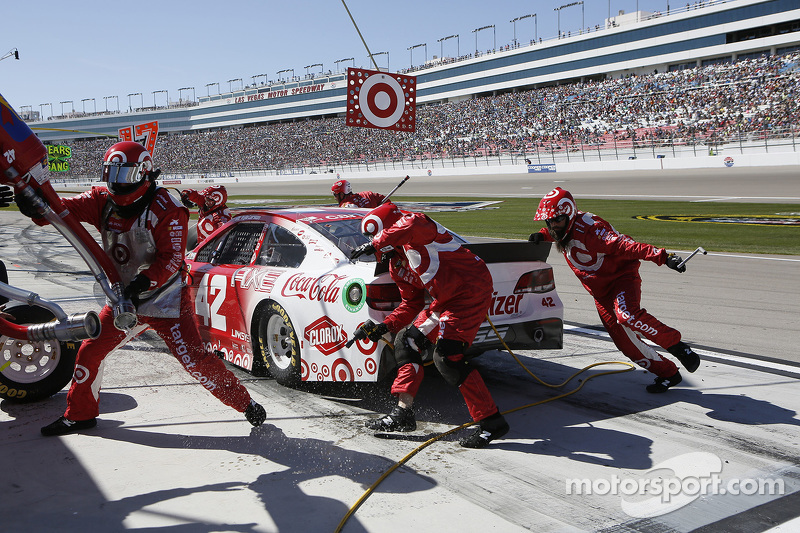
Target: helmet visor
[(122, 172)]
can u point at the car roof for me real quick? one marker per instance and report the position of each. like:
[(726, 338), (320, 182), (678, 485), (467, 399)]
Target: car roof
[(306, 214)]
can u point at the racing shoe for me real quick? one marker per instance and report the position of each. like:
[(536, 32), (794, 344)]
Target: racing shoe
[(255, 414), (688, 358), (400, 419), (489, 429), (64, 425), (663, 384)]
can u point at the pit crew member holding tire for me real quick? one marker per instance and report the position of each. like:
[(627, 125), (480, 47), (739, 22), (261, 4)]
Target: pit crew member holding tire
[(607, 265), (212, 208), (344, 194), (143, 230), (425, 258)]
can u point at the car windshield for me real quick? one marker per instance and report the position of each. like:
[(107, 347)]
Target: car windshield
[(345, 234)]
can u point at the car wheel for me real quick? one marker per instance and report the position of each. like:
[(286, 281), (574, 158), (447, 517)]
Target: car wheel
[(33, 371), (277, 344)]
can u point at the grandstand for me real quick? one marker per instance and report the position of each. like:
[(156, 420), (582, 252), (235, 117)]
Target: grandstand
[(706, 74)]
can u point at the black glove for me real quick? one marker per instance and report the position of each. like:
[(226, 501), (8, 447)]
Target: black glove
[(673, 261), (138, 285), (6, 195), (364, 249), (536, 238), (26, 206), (372, 331), (185, 199), (416, 340)]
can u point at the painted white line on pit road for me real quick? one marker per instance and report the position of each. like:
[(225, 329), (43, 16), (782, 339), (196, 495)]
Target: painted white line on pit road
[(717, 357)]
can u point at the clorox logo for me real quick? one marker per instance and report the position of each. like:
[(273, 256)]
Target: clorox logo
[(325, 335)]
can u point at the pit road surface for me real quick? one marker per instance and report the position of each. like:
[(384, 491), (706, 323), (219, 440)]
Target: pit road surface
[(166, 454)]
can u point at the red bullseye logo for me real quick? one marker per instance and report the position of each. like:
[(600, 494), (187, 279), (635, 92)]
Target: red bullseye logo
[(381, 100)]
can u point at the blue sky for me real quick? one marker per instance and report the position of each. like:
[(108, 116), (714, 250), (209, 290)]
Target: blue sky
[(74, 52)]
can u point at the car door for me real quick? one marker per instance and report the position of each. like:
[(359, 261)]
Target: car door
[(219, 283)]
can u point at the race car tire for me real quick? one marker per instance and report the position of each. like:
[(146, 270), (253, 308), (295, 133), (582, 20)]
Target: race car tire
[(277, 345), (32, 371), (191, 238)]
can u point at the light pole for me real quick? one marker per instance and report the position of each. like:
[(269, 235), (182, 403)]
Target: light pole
[(285, 70), (41, 109), (380, 54), (209, 90), (28, 115), (443, 39), (13, 52), (230, 83), (258, 76), (67, 102), (494, 34), (194, 96), (154, 97), (535, 22), (83, 102), (130, 107), (411, 52), (312, 66), (343, 60), (107, 98), (558, 9)]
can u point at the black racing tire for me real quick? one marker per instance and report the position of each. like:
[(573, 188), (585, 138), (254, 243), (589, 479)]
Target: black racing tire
[(276, 347), (33, 371), (191, 238)]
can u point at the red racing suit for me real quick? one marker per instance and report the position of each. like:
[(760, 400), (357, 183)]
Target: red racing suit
[(362, 199), (607, 265), (209, 219), (460, 285), (152, 244)]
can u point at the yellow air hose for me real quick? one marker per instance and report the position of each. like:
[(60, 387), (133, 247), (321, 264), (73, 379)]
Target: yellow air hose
[(404, 460)]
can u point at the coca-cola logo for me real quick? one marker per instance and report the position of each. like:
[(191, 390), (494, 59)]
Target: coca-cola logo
[(325, 335), (326, 288)]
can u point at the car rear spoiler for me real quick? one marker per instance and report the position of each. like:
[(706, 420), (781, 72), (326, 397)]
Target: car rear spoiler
[(510, 251)]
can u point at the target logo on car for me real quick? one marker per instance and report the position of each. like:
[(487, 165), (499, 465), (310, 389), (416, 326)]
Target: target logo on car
[(381, 100)]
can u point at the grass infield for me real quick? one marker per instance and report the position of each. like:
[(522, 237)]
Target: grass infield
[(513, 219)]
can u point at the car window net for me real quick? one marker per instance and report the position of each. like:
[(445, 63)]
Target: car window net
[(239, 245)]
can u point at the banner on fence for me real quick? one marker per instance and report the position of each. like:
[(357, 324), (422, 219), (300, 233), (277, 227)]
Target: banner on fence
[(542, 168)]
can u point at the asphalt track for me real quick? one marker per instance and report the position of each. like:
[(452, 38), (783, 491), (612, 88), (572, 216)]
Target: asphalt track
[(166, 455)]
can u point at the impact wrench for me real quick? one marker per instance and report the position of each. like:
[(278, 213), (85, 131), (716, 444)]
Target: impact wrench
[(699, 249)]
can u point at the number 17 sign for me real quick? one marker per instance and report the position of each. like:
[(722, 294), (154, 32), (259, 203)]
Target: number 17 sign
[(381, 100)]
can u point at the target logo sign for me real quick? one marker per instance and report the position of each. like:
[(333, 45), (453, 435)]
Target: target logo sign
[(381, 100)]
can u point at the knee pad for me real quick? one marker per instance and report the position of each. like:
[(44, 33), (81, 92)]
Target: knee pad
[(453, 372)]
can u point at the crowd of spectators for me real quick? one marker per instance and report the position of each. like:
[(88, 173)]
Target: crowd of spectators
[(745, 97)]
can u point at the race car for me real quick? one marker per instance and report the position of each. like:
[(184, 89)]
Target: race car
[(275, 291)]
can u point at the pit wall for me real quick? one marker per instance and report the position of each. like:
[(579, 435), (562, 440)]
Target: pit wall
[(681, 163)]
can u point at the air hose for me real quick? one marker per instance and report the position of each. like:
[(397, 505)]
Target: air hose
[(415, 451)]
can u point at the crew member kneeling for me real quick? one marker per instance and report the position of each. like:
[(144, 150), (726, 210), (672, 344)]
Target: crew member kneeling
[(426, 258)]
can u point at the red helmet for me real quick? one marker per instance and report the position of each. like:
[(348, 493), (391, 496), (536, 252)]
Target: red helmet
[(341, 187), (379, 218), (216, 196), (557, 202), (126, 167)]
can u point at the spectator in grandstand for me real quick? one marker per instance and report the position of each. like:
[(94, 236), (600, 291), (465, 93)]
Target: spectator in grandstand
[(344, 194), (212, 207), (607, 265), (143, 230)]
